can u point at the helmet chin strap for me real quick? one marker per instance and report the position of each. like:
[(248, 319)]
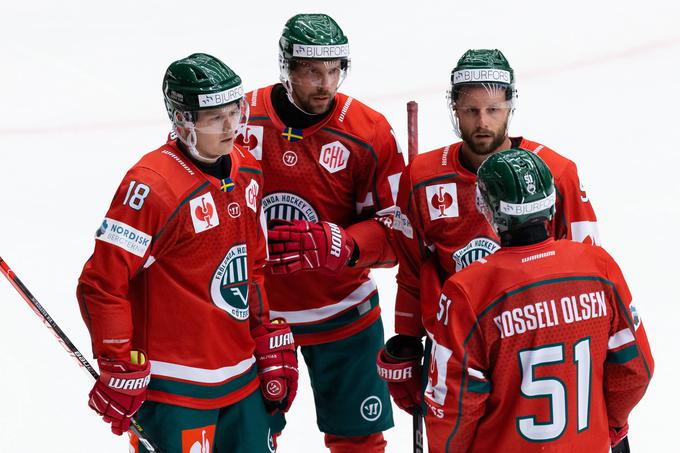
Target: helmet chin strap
[(190, 143)]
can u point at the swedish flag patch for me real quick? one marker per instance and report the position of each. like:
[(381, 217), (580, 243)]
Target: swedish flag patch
[(291, 134), (226, 185)]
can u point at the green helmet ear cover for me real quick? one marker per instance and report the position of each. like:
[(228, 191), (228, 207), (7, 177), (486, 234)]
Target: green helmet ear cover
[(315, 36), (483, 66), (517, 187), (200, 81)]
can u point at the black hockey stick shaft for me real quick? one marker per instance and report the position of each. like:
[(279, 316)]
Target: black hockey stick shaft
[(66, 343), (417, 431)]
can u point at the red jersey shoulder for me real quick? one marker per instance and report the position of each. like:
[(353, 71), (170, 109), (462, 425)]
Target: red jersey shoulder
[(256, 102), (432, 164), (167, 168), (356, 118), (557, 163)]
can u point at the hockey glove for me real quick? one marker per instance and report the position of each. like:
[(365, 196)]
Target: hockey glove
[(277, 364), (619, 439), (301, 245), (399, 363), (120, 390)]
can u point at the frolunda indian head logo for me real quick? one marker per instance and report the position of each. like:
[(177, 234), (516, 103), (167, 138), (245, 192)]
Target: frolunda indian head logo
[(229, 284)]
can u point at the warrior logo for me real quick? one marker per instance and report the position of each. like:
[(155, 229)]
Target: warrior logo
[(442, 200), (234, 210), (371, 408), (203, 213), (476, 249), (250, 139), (288, 206), (290, 158), (229, 284)]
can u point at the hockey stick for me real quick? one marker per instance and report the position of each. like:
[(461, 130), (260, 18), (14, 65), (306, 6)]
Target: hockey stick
[(412, 128), (67, 344)]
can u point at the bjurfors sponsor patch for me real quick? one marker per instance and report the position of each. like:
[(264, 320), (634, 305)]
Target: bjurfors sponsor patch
[(333, 51), (203, 213), (585, 231), (442, 200), (475, 249), (334, 156), (402, 223), (124, 236)]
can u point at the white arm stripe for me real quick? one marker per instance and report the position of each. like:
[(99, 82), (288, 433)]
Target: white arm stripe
[(620, 338)]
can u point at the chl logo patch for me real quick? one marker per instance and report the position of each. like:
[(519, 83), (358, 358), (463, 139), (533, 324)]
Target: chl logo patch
[(334, 156), (250, 139), (288, 206), (198, 440), (229, 284), (203, 213), (251, 195), (475, 249), (442, 200), (371, 408)]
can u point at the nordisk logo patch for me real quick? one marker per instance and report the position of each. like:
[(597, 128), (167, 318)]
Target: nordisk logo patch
[(229, 284), (304, 51), (124, 236), (402, 223), (288, 206), (475, 249)]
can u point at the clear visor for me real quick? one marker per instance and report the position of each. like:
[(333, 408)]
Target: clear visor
[(325, 74), (482, 207), (227, 119), (487, 99)]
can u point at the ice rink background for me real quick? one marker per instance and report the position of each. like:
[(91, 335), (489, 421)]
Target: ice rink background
[(81, 102)]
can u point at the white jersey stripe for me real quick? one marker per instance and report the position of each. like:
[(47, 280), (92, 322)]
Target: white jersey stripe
[(202, 375), (620, 338)]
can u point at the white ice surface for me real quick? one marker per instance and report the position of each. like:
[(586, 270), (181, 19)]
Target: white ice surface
[(81, 102)]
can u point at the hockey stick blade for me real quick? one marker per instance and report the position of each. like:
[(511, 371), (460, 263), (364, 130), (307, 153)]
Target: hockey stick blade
[(66, 343)]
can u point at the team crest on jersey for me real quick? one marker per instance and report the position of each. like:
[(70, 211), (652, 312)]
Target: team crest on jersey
[(334, 156), (442, 200), (203, 213), (229, 284), (288, 206), (250, 139), (477, 248), (198, 440)]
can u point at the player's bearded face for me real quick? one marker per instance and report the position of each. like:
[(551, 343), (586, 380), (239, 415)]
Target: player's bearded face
[(483, 115), (314, 84)]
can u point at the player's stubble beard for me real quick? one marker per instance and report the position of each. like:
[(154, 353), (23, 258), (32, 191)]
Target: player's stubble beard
[(485, 149), (307, 105)]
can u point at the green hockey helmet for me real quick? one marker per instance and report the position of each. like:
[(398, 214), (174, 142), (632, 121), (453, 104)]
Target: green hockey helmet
[(515, 188), (308, 37), (487, 68), (201, 83)]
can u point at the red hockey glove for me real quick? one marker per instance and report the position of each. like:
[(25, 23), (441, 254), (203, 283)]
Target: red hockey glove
[(277, 364), (619, 439), (120, 390), (301, 245), (399, 363)]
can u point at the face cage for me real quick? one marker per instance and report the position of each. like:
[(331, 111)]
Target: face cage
[(451, 108), (284, 76), (186, 120)]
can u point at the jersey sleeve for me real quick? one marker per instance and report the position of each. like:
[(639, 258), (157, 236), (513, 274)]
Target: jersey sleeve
[(408, 234), (259, 304), (126, 240), (574, 215), (376, 197), (458, 386), (629, 365)]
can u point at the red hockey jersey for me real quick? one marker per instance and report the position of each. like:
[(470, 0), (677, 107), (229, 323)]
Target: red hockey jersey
[(436, 214), (177, 271), (343, 170), (536, 348)]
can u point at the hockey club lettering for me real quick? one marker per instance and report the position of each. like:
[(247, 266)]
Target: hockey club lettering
[(442, 200), (251, 195), (288, 206), (124, 236), (198, 440), (550, 313), (234, 210), (371, 408), (334, 156), (203, 213), (250, 139), (332, 51), (481, 75), (289, 158), (475, 249), (229, 284)]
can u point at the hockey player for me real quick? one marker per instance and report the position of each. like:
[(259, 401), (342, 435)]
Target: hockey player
[(438, 230), (539, 346), (173, 295), (330, 164)]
